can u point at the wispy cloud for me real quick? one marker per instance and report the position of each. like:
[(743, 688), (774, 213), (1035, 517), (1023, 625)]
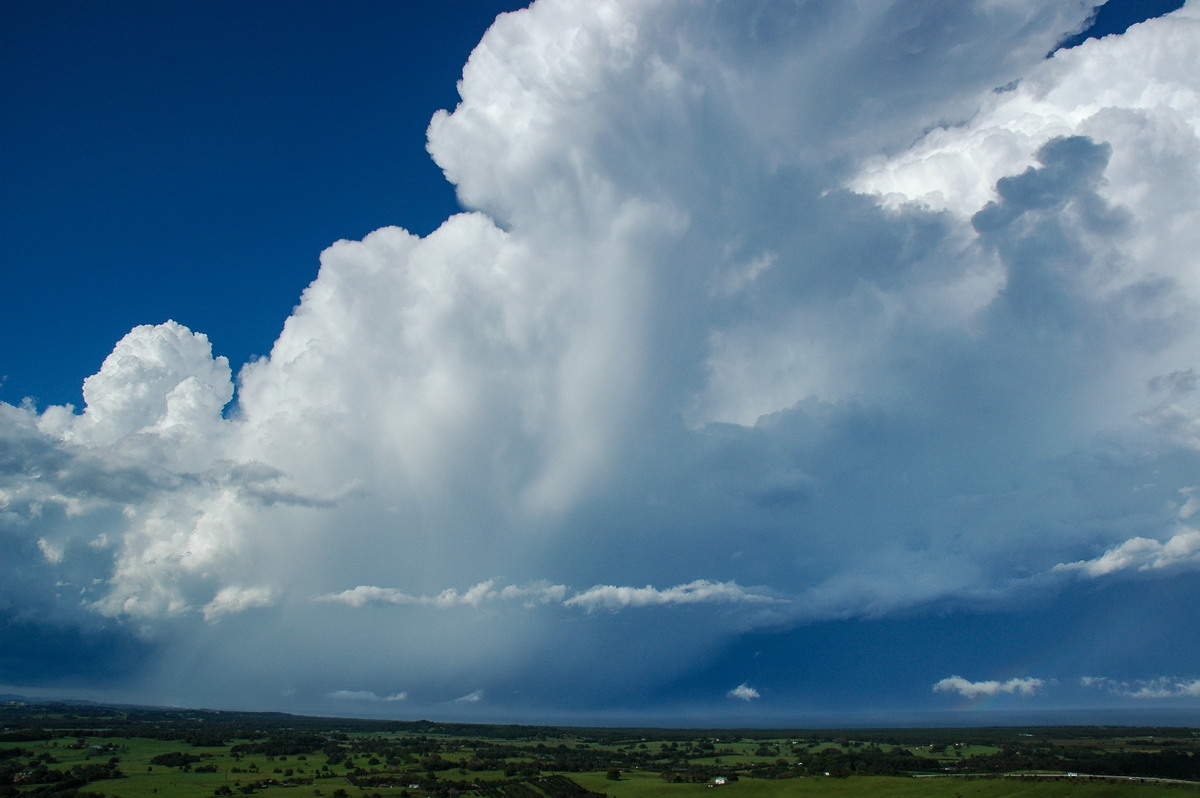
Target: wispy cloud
[(366, 696), (700, 591), (969, 689), (1161, 687), (475, 596), (473, 697)]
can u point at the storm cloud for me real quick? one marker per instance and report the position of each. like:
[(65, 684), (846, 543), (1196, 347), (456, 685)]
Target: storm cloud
[(759, 314)]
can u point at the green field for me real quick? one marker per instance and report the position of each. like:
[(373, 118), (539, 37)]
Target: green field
[(52, 751), (648, 786)]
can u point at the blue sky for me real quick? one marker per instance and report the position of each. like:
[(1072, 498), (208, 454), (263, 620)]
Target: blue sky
[(240, 141), (792, 364)]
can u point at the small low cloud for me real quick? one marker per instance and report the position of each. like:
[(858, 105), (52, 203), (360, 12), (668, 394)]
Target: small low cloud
[(365, 595), (366, 696), (969, 689), (52, 553), (701, 591), (1142, 554), (1162, 687), (475, 596), (232, 600), (470, 698), (743, 692)]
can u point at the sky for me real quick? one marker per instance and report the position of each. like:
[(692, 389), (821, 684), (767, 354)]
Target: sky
[(619, 361)]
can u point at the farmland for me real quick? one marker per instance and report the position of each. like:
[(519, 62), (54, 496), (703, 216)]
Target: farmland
[(81, 750)]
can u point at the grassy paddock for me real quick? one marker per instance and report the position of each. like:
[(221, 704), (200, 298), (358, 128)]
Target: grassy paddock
[(147, 781), (327, 758), (646, 785)]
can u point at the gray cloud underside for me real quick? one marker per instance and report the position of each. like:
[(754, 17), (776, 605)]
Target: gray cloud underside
[(749, 293)]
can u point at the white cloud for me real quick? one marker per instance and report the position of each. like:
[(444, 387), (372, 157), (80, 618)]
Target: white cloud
[(700, 591), (230, 600), (367, 696), (1181, 550), (743, 692), (969, 689), (710, 299), (52, 553), (1087, 90), (1162, 687), (608, 596), (473, 697), (481, 593), (160, 379), (364, 595)]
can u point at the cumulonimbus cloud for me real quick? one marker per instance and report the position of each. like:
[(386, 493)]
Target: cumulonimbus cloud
[(967, 689), (873, 309)]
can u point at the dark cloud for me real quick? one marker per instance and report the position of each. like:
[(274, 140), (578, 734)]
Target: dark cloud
[(36, 653)]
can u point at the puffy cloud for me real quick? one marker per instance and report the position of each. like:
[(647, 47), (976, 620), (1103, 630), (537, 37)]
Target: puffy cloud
[(1087, 90), (160, 383), (237, 599), (968, 689), (369, 594), (1144, 554), (1181, 551), (743, 692), (52, 553), (786, 293)]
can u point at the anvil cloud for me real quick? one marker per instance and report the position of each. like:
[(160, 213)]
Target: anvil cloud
[(761, 316)]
